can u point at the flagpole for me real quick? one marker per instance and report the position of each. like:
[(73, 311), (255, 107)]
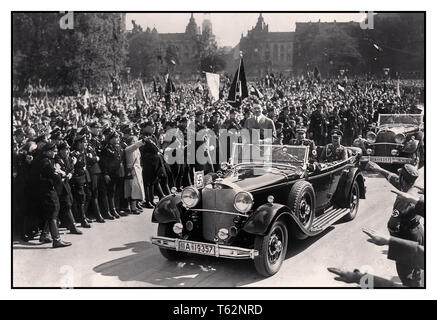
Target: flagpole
[(238, 76)]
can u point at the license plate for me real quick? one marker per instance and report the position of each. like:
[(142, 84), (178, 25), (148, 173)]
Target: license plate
[(381, 159), (200, 248)]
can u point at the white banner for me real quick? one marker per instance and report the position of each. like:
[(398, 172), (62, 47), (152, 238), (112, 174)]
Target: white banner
[(213, 81)]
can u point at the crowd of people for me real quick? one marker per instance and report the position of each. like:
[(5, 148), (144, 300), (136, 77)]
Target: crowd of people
[(91, 158)]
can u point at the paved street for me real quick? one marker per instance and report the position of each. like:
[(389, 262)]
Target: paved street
[(119, 254)]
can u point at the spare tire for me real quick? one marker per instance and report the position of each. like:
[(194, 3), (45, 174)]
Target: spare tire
[(302, 202)]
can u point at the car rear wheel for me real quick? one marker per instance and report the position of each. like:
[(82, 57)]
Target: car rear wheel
[(302, 202), (165, 230), (272, 249), (354, 202)]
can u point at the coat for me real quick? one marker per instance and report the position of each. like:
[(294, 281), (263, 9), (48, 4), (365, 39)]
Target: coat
[(133, 182), (261, 124)]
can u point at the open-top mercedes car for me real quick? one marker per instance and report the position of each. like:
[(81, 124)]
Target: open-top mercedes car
[(265, 196), (398, 140)]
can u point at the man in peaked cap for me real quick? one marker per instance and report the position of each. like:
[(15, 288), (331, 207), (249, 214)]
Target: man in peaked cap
[(404, 222), (301, 140), (334, 151), (49, 181)]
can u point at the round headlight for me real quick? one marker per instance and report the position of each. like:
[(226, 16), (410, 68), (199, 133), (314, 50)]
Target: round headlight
[(173, 190), (243, 201), (190, 197), (369, 151), (223, 234), (400, 138), (394, 152), (371, 136), (177, 228)]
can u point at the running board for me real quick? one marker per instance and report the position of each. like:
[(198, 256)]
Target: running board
[(331, 216)]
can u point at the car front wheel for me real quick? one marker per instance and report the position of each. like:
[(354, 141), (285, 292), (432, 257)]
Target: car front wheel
[(165, 230), (271, 249), (354, 201)]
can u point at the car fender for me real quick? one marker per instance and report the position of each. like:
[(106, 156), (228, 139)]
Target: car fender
[(260, 221), (344, 186), (169, 209)]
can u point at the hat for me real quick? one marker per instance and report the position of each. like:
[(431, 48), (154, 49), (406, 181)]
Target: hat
[(111, 134), (301, 130), (95, 124), (56, 134), (63, 145), (19, 132), (84, 130), (409, 173), (336, 133), (48, 147), (40, 138), (106, 131), (126, 129)]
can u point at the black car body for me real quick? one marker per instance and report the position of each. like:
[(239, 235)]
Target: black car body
[(253, 208), (397, 139)]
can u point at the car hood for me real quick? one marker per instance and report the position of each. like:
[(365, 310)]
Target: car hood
[(251, 178)]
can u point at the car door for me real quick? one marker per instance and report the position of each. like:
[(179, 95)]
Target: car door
[(321, 182)]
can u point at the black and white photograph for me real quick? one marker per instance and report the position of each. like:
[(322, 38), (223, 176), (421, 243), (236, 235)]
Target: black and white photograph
[(218, 149)]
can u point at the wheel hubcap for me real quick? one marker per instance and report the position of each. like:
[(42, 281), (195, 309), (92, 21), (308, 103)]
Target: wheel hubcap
[(275, 245), (304, 211)]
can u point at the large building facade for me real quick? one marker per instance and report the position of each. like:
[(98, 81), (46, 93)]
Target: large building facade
[(180, 51), (266, 51)]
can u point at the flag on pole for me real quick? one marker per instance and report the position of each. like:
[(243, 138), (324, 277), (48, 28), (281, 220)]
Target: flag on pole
[(213, 81), (340, 88), (238, 91), (398, 89), (169, 86), (141, 94), (317, 75)]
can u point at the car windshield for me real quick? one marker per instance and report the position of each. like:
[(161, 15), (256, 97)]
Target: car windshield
[(269, 154), (405, 119)]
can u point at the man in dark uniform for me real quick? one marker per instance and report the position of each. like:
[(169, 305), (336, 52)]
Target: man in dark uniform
[(151, 163), (93, 149), (349, 124), (66, 167), (404, 222), (111, 166), (318, 126), (334, 151), (80, 179), (48, 196), (301, 140)]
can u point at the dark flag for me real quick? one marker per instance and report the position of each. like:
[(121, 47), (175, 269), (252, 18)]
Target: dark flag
[(317, 75), (238, 91), (169, 86)]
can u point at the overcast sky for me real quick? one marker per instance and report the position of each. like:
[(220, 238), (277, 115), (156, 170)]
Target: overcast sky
[(228, 26)]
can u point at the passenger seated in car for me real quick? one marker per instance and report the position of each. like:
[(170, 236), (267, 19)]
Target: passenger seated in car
[(334, 151), (301, 140)]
